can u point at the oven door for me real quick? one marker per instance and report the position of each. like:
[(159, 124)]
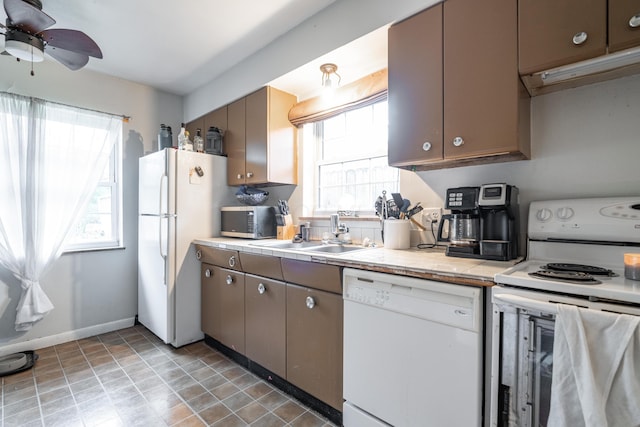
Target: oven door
[(525, 348)]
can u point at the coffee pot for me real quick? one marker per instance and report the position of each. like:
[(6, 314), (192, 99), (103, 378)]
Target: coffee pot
[(463, 229)]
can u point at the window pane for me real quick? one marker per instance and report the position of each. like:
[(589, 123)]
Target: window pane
[(353, 170)]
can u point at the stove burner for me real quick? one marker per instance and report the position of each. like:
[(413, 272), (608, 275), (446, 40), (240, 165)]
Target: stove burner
[(566, 276), (580, 268)]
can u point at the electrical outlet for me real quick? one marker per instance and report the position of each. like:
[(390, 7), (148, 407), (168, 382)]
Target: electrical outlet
[(430, 215)]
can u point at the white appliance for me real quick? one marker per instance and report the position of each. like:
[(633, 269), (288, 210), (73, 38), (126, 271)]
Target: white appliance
[(575, 256), (179, 199), (412, 352)]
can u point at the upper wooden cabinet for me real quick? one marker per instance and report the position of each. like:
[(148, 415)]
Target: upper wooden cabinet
[(455, 97), (260, 140), (555, 33)]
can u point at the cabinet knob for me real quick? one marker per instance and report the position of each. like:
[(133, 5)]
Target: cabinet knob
[(426, 146), (579, 38), (310, 302), (261, 289), (249, 174), (458, 141), (634, 22), (198, 255), (239, 176), (229, 280), (232, 261), (207, 273)]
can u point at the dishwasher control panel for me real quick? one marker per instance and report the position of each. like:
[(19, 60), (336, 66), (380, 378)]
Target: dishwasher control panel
[(450, 304)]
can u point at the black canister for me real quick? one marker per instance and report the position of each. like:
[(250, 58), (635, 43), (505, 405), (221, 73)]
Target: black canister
[(165, 139), (213, 141)]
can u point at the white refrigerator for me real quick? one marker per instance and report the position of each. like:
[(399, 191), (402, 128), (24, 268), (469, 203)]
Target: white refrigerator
[(179, 198)]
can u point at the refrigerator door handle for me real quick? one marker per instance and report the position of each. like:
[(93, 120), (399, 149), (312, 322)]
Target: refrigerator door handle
[(162, 215)]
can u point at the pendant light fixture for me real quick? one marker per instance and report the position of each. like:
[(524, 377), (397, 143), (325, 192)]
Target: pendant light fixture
[(329, 82)]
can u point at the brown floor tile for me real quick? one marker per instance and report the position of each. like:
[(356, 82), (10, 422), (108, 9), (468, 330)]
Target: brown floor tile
[(214, 413), (268, 420), (273, 400), (231, 421), (289, 411), (237, 401), (203, 401), (308, 419), (175, 414), (225, 390), (213, 382), (69, 417), (252, 412), (192, 421)]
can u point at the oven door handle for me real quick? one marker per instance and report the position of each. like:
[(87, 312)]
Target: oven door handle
[(527, 303)]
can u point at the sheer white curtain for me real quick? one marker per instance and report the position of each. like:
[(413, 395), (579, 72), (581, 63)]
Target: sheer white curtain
[(51, 158)]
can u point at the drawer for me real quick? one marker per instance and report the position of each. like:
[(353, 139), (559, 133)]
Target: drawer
[(261, 265), (226, 258), (319, 276)]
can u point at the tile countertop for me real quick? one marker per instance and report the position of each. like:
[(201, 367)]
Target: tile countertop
[(423, 263)]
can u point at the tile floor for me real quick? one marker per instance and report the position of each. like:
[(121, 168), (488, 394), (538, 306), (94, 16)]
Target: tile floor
[(130, 378)]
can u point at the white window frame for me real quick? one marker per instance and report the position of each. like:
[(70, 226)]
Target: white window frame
[(313, 138), (114, 183)]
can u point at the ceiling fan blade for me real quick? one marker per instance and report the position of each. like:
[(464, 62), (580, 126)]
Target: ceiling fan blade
[(72, 40), (27, 17), (72, 60)]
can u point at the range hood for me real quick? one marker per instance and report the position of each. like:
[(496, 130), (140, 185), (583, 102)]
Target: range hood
[(606, 67)]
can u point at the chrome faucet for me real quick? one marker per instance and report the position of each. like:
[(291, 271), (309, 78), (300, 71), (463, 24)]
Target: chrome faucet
[(338, 228)]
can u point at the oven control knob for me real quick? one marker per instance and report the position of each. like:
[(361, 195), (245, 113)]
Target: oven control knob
[(565, 213), (544, 215)]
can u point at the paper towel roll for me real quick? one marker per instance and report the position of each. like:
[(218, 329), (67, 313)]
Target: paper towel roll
[(396, 234)]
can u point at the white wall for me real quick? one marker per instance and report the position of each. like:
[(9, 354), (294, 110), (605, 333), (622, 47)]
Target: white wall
[(93, 288)]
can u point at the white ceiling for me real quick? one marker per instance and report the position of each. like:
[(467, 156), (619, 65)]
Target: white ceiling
[(179, 46)]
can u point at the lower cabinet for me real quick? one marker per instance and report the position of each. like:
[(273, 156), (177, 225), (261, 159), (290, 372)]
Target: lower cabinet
[(314, 343), (223, 306), (265, 323)]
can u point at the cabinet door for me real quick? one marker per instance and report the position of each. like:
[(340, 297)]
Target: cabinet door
[(265, 323), (210, 300), (234, 142), (415, 89), (216, 118), (231, 306), (624, 24), (314, 343), (547, 29), (481, 84), (256, 156)]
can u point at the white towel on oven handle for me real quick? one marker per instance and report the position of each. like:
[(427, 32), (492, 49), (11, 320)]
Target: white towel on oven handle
[(596, 369)]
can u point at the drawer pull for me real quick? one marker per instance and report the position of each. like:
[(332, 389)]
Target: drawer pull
[(426, 146), (310, 302), (249, 174), (261, 289), (207, 273), (198, 254), (634, 22), (232, 261), (458, 141), (579, 38), (229, 280)]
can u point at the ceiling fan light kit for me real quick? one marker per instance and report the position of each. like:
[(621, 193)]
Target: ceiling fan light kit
[(28, 38)]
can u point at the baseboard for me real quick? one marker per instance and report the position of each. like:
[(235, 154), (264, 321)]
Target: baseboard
[(64, 337)]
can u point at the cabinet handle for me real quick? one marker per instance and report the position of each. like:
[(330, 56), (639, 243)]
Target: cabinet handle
[(634, 22), (426, 146), (458, 141), (207, 273), (232, 261), (239, 176), (249, 174), (229, 280), (579, 38), (198, 255), (261, 289), (310, 302)]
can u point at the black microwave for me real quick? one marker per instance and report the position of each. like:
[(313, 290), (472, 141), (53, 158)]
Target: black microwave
[(249, 222)]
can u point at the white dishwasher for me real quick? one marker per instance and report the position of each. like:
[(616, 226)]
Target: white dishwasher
[(412, 352)]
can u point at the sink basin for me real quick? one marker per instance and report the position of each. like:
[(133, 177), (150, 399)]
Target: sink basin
[(290, 245), (335, 249)]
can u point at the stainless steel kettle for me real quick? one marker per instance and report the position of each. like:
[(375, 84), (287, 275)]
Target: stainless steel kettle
[(462, 229)]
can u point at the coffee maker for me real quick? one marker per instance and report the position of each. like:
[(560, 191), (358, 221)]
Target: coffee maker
[(483, 222)]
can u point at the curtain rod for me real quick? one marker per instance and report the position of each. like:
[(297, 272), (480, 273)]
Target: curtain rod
[(124, 117)]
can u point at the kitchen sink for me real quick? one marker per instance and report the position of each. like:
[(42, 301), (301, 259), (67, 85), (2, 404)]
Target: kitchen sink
[(335, 249), (290, 245)]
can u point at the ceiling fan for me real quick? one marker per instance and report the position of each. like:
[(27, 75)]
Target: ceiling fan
[(27, 37)]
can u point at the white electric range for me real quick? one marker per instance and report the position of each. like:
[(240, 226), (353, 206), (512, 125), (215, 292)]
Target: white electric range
[(575, 256)]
